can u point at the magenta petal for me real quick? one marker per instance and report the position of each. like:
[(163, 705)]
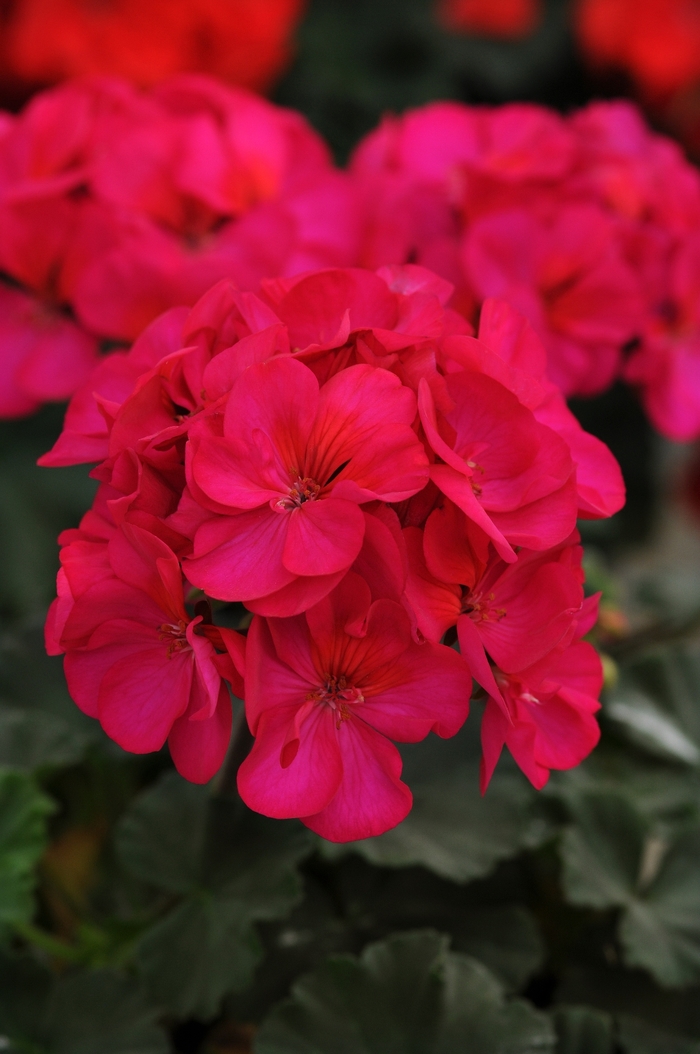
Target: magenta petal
[(473, 651), (233, 474), (458, 488), (198, 748), (323, 537), (494, 729), (207, 676), (241, 555), (84, 670), (269, 682), (295, 598), (140, 698), (305, 785), (431, 692), (565, 734), (543, 523), (371, 798)]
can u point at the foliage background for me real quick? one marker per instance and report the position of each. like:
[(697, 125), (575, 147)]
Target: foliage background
[(140, 914)]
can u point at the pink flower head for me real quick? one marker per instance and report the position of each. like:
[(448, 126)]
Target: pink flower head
[(516, 613), (508, 335), (268, 448), (666, 366), (323, 692), (579, 222), (140, 664), (290, 472), (568, 279), (548, 721), (509, 474)]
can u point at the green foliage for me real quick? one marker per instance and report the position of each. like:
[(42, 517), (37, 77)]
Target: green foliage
[(452, 829), (655, 704), (80, 1013), (611, 860), (228, 868), (36, 504), (359, 59), (407, 994), (581, 1030), (23, 812), (39, 723)]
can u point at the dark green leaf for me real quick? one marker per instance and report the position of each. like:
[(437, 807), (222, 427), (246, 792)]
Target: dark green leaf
[(610, 860), (602, 851), (637, 1037), (160, 839), (80, 1013), (581, 1030), (36, 505), (661, 928), (40, 724), (618, 991), (228, 867), (24, 992), (657, 704), (101, 1013), (23, 812), (506, 939), (405, 995)]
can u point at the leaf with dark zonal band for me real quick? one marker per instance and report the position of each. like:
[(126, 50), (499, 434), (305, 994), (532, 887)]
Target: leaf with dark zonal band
[(405, 995), (228, 868)]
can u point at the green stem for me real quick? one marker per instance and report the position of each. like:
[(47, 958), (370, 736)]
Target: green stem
[(41, 939)]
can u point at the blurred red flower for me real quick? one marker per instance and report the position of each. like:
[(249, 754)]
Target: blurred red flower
[(656, 41), (498, 18), (245, 42)]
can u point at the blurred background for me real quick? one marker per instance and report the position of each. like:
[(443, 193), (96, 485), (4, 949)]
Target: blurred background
[(343, 64)]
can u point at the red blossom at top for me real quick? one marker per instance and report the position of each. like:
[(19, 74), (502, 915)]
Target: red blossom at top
[(656, 41), (245, 42), (144, 203), (341, 455)]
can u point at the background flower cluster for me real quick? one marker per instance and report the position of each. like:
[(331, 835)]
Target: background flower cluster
[(364, 416)]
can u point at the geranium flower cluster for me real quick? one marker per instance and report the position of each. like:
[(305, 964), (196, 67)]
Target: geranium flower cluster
[(245, 42), (588, 224), (116, 204), (497, 18), (340, 455)]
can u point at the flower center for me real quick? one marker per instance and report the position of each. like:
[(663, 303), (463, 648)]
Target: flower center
[(479, 607), (475, 485), (174, 635), (337, 694), (300, 491)]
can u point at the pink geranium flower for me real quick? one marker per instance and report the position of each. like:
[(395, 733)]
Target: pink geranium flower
[(509, 474), (293, 467), (137, 661), (517, 612), (549, 717), (323, 692)]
